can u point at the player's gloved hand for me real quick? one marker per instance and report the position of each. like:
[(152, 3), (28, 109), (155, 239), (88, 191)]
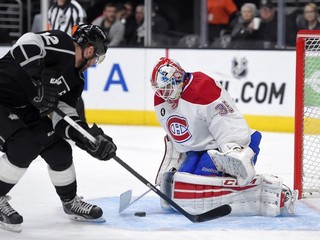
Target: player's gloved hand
[(104, 149), (47, 99)]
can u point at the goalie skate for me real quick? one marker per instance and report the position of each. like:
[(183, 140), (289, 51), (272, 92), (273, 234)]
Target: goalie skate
[(10, 219), (236, 162), (79, 210)]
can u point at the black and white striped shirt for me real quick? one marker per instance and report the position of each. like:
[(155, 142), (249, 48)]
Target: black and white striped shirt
[(67, 17)]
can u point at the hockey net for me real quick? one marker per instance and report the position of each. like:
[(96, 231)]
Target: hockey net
[(307, 114)]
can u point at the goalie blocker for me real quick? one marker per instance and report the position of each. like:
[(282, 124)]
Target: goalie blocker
[(265, 195)]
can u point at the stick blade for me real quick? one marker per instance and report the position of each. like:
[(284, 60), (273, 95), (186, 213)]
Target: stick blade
[(125, 199), (215, 213)]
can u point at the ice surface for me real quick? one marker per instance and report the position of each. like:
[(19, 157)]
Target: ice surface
[(102, 183)]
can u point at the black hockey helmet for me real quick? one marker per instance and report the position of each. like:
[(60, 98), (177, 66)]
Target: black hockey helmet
[(87, 34)]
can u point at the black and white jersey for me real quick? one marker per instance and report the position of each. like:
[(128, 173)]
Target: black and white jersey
[(34, 57), (45, 56), (67, 17)]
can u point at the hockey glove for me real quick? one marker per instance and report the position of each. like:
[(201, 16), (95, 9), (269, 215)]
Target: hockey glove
[(47, 99), (104, 149)]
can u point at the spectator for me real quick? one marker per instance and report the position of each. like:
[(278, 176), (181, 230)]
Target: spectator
[(120, 11), (128, 20), (267, 33), (220, 14), (126, 12), (137, 37), (160, 27), (109, 23), (243, 32), (67, 15), (310, 18)]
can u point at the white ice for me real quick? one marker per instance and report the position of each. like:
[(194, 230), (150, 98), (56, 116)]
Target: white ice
[(142, 148)]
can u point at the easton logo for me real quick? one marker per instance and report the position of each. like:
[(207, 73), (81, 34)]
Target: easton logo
[(178, 128), (56, 81)]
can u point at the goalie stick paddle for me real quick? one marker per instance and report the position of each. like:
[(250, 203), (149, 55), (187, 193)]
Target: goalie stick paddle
[(125, 199), (215, 213)]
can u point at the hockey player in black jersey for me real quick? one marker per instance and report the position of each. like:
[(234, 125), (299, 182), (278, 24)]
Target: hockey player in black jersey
[(41, 72)]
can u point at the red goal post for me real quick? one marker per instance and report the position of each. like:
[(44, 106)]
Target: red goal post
[(307, 114)]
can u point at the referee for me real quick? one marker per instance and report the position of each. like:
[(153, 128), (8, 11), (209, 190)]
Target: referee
[(66, 15)]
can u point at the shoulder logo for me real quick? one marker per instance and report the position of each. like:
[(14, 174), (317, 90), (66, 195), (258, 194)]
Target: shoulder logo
[(178, 128)]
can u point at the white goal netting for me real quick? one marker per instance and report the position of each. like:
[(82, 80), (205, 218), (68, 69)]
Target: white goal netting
[(311, 119)]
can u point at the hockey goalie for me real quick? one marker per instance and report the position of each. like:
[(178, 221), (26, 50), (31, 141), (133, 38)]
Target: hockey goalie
[(210, 150)]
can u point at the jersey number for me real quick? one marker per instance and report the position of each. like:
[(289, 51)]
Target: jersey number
[(50, 40)]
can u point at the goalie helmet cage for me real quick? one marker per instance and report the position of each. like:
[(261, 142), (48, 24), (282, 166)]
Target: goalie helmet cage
[(307, 114)]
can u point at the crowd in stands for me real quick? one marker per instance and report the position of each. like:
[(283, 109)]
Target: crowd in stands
[(231, 24), (257, 28)]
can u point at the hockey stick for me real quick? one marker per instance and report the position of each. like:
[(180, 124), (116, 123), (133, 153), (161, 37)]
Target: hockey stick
[(125, 199), (215, 213)]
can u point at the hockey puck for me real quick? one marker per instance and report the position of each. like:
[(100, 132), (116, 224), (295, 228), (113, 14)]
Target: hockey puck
[(140, 214)]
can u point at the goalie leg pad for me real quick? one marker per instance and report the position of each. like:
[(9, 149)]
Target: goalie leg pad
[(198, 194), (166, 188), (171, 161)]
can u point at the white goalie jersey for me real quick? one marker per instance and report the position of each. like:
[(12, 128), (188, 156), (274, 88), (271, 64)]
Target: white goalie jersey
[(205, 118)]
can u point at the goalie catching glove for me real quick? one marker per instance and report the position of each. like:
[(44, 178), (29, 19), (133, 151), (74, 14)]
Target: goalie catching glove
[(104, 149)]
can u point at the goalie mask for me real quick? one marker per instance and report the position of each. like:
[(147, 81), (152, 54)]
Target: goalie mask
[(167, 80), (92, 35)]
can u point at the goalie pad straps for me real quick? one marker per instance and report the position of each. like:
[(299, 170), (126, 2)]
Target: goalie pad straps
[(171, 161), (198, 194)]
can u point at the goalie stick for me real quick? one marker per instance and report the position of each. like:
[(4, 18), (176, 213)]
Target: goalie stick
[(206, 216)]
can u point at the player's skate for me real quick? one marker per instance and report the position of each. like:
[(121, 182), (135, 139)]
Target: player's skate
[(289, 199), (10, 219), (79, 210), (236, 162)]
